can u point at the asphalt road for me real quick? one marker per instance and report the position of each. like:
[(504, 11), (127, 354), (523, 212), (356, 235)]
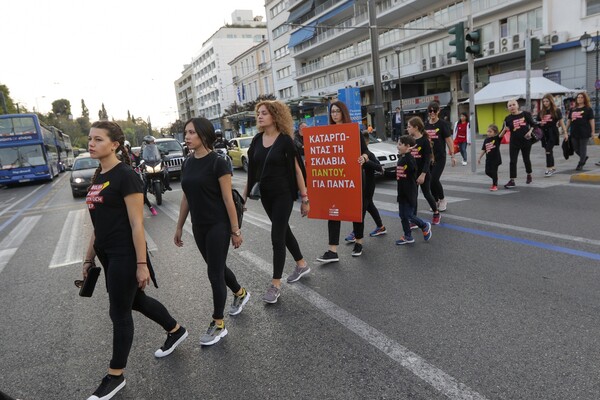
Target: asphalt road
[(502, 303)]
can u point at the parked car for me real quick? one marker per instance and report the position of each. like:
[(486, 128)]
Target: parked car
[(82, 172), (239, 151), (386, 153), (173, 155)]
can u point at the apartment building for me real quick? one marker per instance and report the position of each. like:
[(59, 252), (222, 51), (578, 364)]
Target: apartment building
[(331, 48), (283, 66), (252, 75), (208, 79)]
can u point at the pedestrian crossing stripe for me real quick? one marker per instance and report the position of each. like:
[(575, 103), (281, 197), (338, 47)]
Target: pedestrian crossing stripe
[(15, 239)]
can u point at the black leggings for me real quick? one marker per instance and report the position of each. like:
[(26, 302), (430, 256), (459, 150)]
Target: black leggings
[(437, 169), (213, 243), (550, 140), (426, 190), (513, 150), (333, 228), (374, 213), (491, 170), (580, 148), (124, 295), (279, 208)]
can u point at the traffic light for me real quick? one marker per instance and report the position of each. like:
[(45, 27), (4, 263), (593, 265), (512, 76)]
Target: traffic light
[(458, 31), (536, 51), (474, 47)]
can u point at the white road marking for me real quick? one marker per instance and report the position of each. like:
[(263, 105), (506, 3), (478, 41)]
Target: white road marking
[(15, 238), (434, 376), (71, 243)]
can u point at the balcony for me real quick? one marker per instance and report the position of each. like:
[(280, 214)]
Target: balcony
[(262, 66), (235, 79)]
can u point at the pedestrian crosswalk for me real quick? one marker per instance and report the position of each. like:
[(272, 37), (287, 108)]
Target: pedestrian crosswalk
[(72, 241)]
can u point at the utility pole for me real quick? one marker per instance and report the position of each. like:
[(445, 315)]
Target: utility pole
[(528, 70), (379, 118), (472, 116)]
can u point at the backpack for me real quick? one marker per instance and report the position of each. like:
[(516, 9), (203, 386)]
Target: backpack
[(238, 200)]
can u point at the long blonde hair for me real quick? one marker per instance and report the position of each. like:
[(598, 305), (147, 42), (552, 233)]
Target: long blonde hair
[(281, 114)]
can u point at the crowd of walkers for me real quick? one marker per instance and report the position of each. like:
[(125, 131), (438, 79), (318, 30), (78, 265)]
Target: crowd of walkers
[(277, 177)]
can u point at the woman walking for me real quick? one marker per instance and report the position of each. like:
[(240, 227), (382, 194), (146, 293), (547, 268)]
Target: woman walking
[(520, 124), (439, 134), (462, 135), (421, 152), (581, 122), (550, 118), (206, 185), (273, 164), (115, 201), (339, 114)]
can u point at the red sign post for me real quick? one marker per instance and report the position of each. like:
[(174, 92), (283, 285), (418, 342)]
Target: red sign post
[(333, 174)]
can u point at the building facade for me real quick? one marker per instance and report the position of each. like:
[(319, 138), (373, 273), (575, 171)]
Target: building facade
[(283, 66), (212, 88)]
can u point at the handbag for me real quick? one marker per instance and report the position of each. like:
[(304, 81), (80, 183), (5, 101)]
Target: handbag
[(537, 133), (87, 288), (255, 191)]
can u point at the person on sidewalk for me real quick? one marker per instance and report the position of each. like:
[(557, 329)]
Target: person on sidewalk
[(493, 158), (115, 203), (406, 173), (397, 124), (519, 124), (206, 186), (421, 152), (439, 134), (339, 114), (581, 122), (275, 165), (461, 135), (550, 118)]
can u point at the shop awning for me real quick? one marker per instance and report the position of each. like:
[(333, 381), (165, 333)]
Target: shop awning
[(302, 35), (300, 11), (502, 91), (335, 12)]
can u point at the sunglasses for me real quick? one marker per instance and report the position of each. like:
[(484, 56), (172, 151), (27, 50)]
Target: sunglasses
[(432, 111)]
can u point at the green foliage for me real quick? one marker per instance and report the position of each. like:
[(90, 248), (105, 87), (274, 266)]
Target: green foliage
[(11, 107), (102, 114), (61, 107), (85, 113)]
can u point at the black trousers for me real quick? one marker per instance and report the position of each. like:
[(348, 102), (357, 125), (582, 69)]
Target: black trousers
[(124, 295), (491, 170), (279, 208), (437, 169), (426, 190), (213, 243), (523, 146), (580, 148)]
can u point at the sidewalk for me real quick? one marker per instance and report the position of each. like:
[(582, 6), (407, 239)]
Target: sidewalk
[(565, 169)]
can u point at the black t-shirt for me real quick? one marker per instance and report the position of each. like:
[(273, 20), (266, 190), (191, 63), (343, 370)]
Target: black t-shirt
[(438, 133), (548, 123), (406, 177), (275, 176), (491, 146), (421, 152), (200, 183), (106, 203), (518, 125), (580, 122)]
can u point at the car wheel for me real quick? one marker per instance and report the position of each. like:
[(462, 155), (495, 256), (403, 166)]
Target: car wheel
[(75, 195), (245, 164)]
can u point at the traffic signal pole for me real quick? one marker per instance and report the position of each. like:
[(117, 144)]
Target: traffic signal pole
[(472, 116), (528, 70)]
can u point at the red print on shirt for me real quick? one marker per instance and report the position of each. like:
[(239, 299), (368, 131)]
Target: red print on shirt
[(490, 146), (416, 152), (517, 123), (401, 171), (576, 115), (433, 133), (93, 197)]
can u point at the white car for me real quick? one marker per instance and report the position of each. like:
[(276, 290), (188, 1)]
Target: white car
[(386, 153)]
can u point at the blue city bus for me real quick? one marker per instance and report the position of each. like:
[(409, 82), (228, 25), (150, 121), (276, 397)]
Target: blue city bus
[(27, 150), (64, 149)]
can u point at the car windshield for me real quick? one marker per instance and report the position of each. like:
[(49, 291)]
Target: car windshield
[(245, 143), (85, 163), (170, 146)]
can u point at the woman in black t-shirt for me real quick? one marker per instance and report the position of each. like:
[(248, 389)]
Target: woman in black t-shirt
[(440, 136), (207, 196), (550, 118), (274, 163), (116, 202), (520, 124), (581, 122)]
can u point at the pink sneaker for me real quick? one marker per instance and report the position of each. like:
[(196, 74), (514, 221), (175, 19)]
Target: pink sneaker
[(494, 188), (153, 211)]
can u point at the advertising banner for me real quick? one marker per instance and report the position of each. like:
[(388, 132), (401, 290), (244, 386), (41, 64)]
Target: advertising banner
[(333, 174)]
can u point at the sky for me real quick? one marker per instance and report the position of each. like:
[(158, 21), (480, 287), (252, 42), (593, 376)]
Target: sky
[(126, 54)]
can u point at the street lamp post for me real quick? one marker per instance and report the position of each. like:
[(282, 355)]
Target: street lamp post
[(586, 41), (397, 49)]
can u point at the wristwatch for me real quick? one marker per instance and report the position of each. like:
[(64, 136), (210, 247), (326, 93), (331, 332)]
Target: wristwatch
[(237, 233)]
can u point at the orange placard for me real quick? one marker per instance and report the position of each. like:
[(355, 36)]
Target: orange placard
[(333, 174)]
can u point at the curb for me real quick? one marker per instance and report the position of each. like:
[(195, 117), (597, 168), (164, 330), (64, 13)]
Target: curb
[(586, 177)]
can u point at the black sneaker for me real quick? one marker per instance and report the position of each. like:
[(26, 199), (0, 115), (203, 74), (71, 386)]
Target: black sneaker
[(328, 257), (109, 387), (510, 184), (173, 340), (357, 251)]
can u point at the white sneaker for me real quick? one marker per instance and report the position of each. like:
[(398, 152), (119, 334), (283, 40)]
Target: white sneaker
[(464, 163), (442, 205)]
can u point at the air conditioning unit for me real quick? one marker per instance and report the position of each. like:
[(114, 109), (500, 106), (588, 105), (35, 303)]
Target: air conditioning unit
[(518, 42), (449, 58), (559, 37), (433, 62), (504, 44), (424, 64), (441, 60), (489, 48)]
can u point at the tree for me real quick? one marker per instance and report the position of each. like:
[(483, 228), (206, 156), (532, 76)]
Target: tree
[(102, 114), (61, 107), (85, 113), (10, 104)]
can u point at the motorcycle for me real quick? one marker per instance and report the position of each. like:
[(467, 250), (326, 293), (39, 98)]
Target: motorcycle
[(154, 170)]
